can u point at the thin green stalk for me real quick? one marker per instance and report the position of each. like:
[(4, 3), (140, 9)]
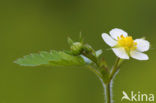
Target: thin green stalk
[(114, 70), (108, 93), (95, 71), (92, 58), (108, 85)]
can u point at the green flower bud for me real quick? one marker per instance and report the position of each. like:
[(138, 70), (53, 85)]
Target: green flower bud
[(89, 49), (77, 48)]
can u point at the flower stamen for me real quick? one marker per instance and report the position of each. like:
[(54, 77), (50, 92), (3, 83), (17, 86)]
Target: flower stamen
[(127, 43)]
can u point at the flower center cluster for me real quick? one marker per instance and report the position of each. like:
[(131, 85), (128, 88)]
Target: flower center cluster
[(127, 42)]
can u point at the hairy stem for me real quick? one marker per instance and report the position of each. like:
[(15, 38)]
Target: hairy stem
[(114, 70), (108, 93), (108, 85)]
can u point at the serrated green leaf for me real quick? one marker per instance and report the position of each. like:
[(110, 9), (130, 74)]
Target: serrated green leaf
[(54, 58)]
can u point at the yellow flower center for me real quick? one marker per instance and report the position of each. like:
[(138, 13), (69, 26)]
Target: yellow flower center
[(127, 42)]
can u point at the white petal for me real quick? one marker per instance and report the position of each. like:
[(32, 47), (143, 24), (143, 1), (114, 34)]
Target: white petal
[(121, 53), (109, 40), (142, 45), (115, 33), (138, 55)]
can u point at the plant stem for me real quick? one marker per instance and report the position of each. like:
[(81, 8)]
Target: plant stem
[(114, 70), (108, 93), (108, 85)]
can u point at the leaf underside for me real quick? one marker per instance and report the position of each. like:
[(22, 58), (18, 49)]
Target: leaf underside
[(54, 58)]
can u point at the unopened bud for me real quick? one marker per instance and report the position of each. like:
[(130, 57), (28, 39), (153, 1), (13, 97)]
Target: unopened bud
[(77, 48), (89, 49)]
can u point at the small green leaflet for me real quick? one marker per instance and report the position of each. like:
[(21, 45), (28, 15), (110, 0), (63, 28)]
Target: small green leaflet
[(54, 58)]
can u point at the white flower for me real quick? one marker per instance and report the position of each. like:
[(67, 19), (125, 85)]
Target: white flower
[(124, 46)]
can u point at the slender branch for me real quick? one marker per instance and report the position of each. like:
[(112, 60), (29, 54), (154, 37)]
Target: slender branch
[(95, 71), (108, 85), (99, 75), (114, 70), (108, 93)]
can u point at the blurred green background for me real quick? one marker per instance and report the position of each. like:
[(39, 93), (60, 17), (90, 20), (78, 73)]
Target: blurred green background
[(28, 26)]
